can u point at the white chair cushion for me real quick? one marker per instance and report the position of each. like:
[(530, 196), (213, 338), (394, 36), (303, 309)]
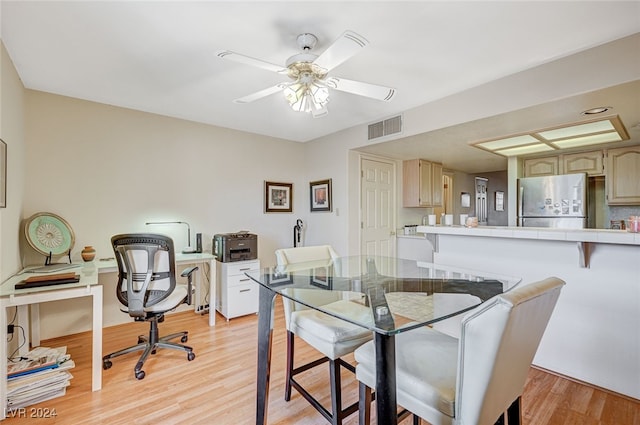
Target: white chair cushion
[(426, 364), (331, 336)]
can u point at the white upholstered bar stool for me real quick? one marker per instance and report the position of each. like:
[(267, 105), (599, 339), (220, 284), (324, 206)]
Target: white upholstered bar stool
[(334, 338), (474, 379)]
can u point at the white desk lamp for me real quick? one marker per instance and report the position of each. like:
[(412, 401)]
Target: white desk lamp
[(188, 249)]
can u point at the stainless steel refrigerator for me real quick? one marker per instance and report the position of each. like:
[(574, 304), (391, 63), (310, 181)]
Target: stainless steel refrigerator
[(553, 201)]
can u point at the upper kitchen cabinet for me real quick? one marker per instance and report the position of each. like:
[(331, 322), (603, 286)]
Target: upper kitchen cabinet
[(623, 176), (547, 166), (436, 184), (590, 162), (421, 183)]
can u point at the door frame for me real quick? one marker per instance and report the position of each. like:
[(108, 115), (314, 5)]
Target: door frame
[(355, 202)]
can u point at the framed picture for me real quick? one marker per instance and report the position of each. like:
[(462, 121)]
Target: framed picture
[(277, 277), (322, 277), (499, 200), (320, 192), (618, 225), (3, 174), (465, 200), (278, 197)]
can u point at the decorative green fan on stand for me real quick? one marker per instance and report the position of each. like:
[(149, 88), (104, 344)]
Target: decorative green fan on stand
[(49, 234)]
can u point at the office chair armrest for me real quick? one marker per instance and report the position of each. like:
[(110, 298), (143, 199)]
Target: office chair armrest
[(188, 274)]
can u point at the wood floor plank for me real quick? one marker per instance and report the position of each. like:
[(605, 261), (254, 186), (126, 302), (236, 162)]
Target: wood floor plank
[(218, 386)]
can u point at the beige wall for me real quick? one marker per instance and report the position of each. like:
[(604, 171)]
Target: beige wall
[(12, 133), (108, 170)]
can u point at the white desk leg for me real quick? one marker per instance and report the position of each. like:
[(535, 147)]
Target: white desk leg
[(34, 333), (3, 359), (213, 276), (96, 363)]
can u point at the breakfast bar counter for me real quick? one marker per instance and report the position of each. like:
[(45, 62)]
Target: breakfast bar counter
[(593, 335), (540, 233)]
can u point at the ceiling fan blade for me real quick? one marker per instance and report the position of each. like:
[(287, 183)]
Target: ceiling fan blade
[(260, 94), (247, 60), (362, 89), (342, 49)]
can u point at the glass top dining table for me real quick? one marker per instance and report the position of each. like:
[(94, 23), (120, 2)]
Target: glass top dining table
[(400, 294)]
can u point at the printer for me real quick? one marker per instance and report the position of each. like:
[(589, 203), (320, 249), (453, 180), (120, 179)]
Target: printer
[(229, 247)]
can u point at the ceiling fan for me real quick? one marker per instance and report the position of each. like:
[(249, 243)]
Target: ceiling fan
[(309, 89)]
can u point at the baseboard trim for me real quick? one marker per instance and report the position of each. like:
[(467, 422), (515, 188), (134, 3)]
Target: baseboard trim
[(587, 384)]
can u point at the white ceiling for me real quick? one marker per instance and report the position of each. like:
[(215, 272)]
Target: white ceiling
[(160, 57)]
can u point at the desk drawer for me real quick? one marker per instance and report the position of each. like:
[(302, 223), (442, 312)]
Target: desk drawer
[(238, 279), (243, 299), (242, 268)]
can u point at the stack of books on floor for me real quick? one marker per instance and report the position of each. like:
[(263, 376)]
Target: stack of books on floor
[(41, 375)]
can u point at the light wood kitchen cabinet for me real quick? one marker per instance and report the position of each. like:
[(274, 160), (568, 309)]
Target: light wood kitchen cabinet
[(546, 166), (421, 183), (436, 184), (591, 162), (623, 176)]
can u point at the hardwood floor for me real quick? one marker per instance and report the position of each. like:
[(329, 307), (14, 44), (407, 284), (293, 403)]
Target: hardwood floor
[(218, 387)]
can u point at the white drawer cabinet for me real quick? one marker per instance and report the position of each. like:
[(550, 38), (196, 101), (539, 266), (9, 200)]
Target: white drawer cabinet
[(237, 294)]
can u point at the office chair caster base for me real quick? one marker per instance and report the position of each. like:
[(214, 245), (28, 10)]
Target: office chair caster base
[(191, 355), (139, 374), (184, 339), (106, 364)]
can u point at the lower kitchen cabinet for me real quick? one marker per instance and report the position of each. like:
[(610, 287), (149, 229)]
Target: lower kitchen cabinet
[(237, 295)]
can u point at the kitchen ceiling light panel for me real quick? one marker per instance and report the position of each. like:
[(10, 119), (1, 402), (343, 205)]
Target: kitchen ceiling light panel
[(509, 142), (588, 140), (524, 150), (601, 131), (578, 130)]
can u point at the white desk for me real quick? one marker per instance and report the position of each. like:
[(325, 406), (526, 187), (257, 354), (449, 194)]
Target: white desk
[(200, 259), (21, 299), (87, 287)]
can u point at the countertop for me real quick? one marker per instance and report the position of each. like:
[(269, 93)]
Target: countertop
[(608, 236)]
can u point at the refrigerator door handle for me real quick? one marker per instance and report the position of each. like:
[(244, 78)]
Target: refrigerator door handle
[(520, 206)]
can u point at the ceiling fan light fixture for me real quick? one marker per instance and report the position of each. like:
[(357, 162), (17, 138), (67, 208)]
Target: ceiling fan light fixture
[(309, 91), (307, 96)]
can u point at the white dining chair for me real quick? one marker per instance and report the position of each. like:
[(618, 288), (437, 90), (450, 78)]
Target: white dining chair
[(332, 337), (474, 379)]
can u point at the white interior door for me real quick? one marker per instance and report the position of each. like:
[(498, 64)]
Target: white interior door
[(377, 208)]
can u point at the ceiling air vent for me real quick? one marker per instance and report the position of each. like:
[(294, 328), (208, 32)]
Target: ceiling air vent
[(385, 128)]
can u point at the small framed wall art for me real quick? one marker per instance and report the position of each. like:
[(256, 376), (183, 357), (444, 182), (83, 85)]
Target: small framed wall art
[(465, 200), (320, 192), (499, 200), (278, 197)]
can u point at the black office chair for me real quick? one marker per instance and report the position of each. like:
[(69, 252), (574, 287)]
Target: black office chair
[(147, 289)]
